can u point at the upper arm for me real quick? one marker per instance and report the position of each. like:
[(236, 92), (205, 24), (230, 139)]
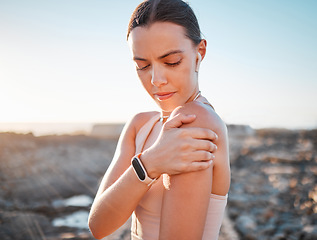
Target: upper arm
[(185, 205)]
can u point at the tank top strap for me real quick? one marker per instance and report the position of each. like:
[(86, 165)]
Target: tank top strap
[(144, 132)]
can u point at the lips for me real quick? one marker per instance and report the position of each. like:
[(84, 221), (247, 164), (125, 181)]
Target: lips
[(161, 96)]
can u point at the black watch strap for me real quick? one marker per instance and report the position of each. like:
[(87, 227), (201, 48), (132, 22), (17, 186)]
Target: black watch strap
[(140, 171)]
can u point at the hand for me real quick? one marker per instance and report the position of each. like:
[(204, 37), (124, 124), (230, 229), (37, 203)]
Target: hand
[(179, 150)]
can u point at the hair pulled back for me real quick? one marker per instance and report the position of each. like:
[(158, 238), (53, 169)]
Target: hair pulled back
[(174, 11)]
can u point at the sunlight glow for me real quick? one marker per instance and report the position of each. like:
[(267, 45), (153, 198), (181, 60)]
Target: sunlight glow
[(60, 65)]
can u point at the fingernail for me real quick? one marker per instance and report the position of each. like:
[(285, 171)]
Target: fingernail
[(191, 115), (210, 162)]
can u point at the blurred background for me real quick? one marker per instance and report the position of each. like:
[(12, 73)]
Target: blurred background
[(68, 84)]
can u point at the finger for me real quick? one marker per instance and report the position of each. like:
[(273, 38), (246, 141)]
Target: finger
[(201, 156), (201, 133), (179, 120), (204, 145), (198, 166)]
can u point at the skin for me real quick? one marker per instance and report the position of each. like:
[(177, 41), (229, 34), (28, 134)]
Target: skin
[(183, 147), (165, 62)]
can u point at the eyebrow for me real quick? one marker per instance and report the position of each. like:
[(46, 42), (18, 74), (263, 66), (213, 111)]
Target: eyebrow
[(170, 53), (161, 57)]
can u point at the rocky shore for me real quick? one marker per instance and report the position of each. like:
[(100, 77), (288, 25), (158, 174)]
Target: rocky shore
[(47, 184), (274, 184)]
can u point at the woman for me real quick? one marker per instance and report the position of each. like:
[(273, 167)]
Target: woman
[(177, 184)]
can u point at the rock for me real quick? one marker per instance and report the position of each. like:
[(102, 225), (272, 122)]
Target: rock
[(227, 231), (310, 232), (268, 230), (23, 225), (291, 227), (240, 130), (273, 183), (279, 236), (237, 200), (246, 225), (51, 167)]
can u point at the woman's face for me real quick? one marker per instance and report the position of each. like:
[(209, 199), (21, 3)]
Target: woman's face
[(165, 61)]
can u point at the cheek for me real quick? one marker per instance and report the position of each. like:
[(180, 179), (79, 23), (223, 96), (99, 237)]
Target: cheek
[(188, 65), (185, 73), (145, 80)]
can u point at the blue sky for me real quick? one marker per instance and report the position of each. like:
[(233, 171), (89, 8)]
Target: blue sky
[(68, 61)]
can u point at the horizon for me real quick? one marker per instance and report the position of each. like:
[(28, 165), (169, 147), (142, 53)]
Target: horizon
[(67, 128), (68, 61)]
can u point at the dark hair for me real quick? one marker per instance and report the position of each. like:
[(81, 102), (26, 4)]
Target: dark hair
[(174, 11)]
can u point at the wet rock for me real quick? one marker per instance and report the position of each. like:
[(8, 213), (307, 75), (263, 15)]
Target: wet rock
[(246, 225), (273, 181), (35, 171), (309, 232), (289, 228), (237, 200), (272, 195), (23, 226), (279, 236), (268, 230)]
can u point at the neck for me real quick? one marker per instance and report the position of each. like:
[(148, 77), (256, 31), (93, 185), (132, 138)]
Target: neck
[(165, 115)]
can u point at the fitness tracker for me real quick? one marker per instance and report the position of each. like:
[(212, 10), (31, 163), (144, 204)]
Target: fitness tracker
[(140, 171)]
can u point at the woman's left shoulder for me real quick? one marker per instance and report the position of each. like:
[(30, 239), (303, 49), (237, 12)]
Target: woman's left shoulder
[(205, 116)]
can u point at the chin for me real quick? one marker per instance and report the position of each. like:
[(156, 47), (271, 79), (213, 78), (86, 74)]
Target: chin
[(168, 108)]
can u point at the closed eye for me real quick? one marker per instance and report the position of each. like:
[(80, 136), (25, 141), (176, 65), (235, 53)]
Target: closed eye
[(173, 64), (143, 68)]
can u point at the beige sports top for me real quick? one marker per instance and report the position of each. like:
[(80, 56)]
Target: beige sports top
[(146, 217)]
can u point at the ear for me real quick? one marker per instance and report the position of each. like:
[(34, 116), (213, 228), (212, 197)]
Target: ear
[(198, 61), (201, 48), (201, 52)]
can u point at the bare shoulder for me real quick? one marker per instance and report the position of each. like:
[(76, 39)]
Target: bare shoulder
[(129, 132), (126, 144), (125, 148), (215, 179), (126, 141), (138, 120), (205, 117)]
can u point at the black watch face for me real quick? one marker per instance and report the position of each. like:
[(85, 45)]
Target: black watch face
[(138, 168)]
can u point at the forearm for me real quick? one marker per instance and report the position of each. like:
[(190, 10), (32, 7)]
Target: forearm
[(115, 205)]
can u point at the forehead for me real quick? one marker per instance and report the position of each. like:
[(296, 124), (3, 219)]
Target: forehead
[(158, 38)]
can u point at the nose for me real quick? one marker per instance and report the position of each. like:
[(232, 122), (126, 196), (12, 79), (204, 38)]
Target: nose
[(158, 77)]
